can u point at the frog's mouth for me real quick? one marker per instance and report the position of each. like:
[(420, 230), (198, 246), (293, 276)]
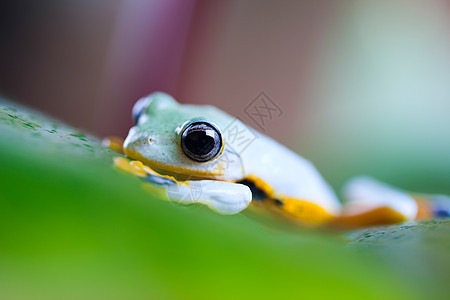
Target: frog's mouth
[(179, 173)]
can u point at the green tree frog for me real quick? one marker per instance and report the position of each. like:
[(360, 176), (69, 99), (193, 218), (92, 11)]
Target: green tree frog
[(190, 151)]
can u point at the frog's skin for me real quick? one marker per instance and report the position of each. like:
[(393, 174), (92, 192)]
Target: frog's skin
[(268, 173)]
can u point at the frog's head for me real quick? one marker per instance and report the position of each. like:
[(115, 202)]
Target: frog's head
[(184, 141)]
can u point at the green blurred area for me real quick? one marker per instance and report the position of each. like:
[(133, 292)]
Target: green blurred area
[(380, 98), (73, 227)]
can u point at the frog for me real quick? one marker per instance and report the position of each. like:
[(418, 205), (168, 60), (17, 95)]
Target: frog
[(189, 152)]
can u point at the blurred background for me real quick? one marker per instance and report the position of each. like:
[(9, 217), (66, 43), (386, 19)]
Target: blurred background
[(363, 86)]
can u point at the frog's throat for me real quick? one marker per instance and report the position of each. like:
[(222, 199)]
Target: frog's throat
[(178, 173)]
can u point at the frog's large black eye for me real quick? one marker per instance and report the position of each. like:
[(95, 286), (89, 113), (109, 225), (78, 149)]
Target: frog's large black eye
[(201, 141), (139, 108)]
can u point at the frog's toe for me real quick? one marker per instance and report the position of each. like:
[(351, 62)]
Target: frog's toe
[(230, 202)]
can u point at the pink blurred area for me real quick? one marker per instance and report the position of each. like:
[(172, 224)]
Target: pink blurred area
[(88, 62)]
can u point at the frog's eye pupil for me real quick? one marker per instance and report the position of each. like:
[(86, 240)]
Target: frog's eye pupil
[(201, 141)]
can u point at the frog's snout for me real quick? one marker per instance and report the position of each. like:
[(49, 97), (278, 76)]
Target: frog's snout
[(137, 138)]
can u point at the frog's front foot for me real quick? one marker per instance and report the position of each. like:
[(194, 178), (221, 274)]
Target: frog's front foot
[(223, 197)]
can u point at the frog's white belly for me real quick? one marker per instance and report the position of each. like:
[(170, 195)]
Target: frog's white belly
[(289, 174)]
